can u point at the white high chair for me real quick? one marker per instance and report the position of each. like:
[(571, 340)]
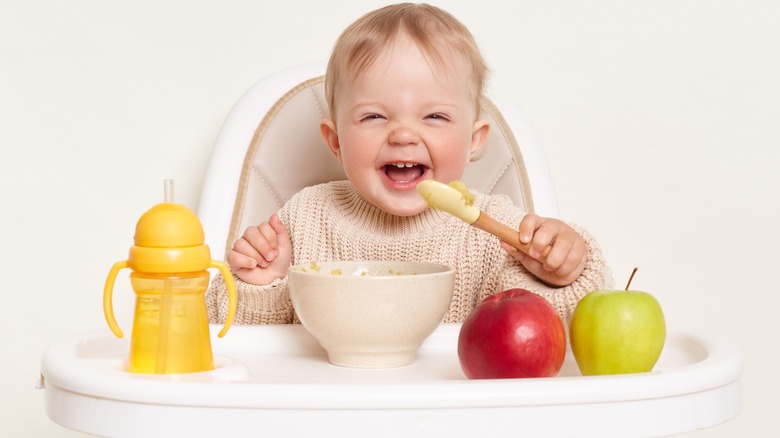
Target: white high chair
[(275, 379), (269, 148)]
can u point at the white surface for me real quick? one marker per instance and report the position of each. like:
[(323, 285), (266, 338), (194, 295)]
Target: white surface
[(658, 120), (267, 375)]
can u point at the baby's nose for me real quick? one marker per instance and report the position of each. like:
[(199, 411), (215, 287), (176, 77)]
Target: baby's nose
[(403, 135)]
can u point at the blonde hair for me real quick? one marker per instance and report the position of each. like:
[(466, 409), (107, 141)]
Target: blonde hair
[(434, 30)]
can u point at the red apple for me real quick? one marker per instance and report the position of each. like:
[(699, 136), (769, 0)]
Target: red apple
[(514, 333)]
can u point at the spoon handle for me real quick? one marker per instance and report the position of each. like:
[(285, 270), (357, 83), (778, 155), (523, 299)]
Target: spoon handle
[(507, 234)]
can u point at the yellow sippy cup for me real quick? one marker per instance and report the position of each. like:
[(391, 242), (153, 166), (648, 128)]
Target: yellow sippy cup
[(169, 275)]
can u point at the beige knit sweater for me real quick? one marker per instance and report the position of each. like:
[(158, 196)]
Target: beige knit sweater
[(332, 222)]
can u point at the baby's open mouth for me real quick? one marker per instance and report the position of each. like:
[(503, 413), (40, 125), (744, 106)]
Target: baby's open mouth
[(404, 172)]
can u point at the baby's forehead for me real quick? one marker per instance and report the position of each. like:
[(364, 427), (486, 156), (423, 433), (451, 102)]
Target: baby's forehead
[(444, 62)]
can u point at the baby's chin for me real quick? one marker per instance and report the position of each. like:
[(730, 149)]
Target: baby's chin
[(402, 207)]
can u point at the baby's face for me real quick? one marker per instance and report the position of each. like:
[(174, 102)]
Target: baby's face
[(403, 122)]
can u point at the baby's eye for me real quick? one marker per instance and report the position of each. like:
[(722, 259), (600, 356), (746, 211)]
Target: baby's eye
[(437, 116), (369, 117)]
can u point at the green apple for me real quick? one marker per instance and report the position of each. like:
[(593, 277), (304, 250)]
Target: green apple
[(617, 332)]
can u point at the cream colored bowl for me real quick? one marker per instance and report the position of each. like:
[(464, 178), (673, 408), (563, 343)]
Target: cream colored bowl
[(371, 314)]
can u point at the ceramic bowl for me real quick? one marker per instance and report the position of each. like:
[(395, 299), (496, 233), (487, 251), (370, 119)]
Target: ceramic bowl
[(371, 314)]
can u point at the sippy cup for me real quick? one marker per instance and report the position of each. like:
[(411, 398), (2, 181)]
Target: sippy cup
[(169, 275)]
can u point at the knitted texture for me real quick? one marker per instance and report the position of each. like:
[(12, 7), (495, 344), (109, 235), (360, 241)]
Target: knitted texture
[(332, 221)]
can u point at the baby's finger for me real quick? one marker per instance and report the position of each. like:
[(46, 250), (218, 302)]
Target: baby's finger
[(544, 236), (532, 265), (244, 247), (237, 261), (514, 252), (281, 231), (575, 261), (528, 227), (268, 244), (262, 240), (558, 255)]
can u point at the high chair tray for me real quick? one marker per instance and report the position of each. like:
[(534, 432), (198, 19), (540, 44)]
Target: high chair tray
[(276, 380)]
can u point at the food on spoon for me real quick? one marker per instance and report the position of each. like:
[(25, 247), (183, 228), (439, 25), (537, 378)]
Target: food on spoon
[(458, 201), (454, 198), (468, 197)]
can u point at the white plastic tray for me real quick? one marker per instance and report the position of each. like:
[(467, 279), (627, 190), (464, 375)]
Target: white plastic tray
[(276, 381)]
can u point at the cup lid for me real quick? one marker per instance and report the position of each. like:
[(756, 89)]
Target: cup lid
[(169, 225), (169, 238)]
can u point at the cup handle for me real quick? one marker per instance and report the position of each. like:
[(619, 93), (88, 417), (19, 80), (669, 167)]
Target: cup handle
[(108, 305), (232, 296)]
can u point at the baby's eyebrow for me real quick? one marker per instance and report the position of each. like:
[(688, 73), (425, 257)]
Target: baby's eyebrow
[(433, 106), (370, 104), (447, 105)]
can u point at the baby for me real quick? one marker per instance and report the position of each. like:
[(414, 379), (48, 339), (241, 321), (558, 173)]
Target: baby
[(404, 85)]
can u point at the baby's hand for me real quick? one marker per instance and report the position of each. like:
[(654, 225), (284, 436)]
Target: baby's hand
[(567, 257), (262, 254)]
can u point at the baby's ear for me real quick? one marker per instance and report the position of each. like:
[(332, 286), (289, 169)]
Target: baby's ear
[(331, 137), (479, 138)]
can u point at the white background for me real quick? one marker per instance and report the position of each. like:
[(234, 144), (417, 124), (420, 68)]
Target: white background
[(660, 121)]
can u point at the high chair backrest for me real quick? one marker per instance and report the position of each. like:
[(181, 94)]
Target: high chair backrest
[(270, 147)]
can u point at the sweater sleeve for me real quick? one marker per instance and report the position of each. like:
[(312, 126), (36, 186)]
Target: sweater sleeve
[(267, 304)]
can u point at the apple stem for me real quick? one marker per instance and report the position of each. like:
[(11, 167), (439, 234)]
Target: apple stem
[(631, 278)]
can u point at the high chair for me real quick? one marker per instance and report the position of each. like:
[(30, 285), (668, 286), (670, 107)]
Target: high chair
[(275, 380), (270, 147)]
